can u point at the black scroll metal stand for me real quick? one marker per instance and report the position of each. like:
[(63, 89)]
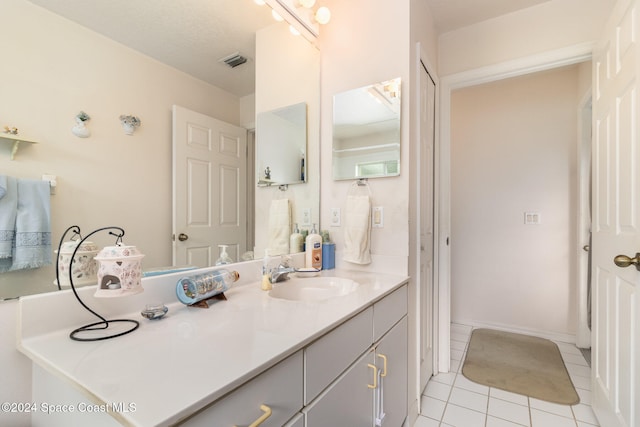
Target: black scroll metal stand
[(104, 323)]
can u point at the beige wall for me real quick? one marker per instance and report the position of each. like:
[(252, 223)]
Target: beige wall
[(54, 68), (361, 45), (376, 49), (551, 25), (514, 150)]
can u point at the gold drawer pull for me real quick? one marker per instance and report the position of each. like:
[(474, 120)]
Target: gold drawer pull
[(375, 376), (267, 413)]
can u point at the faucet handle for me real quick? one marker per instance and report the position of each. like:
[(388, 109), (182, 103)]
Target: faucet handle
[(285, 260)]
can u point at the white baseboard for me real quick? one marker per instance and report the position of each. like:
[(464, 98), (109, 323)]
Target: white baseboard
[(553, 336)]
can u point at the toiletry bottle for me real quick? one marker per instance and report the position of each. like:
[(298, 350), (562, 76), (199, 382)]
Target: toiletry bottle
[(313, 250), (296, 242), (192, 289), (328, 252), (224, 258)]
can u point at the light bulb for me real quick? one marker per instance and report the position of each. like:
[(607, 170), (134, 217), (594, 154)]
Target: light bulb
[(276, 16), (307, 3), (293, 30), (323, 15), (259, 2)]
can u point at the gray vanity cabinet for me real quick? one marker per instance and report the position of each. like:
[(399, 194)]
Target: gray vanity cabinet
[(373, 385)]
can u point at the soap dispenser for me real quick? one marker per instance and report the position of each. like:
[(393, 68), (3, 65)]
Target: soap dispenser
[(313, 250), (224, 257), (296, 242)]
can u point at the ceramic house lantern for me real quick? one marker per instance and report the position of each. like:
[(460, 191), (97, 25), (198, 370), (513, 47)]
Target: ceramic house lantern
[(120, 271), (84, 268)]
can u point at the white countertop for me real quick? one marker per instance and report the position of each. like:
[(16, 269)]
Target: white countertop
[(172, 367)]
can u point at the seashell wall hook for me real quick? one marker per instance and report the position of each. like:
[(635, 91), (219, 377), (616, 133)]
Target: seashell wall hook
[(80, 129), (129, 123)]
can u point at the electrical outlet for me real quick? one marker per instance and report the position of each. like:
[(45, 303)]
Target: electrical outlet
[(306, 216), (378, 217), (335, 217)]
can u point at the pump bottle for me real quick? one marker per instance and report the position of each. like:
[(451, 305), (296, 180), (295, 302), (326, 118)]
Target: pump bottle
[(313, 250)]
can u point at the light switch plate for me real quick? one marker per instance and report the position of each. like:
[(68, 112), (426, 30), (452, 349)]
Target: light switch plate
[(377, 217), (306, 216), (335, 217), (532, 218)]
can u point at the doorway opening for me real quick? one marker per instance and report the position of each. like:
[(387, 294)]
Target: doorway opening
[(547, 61)]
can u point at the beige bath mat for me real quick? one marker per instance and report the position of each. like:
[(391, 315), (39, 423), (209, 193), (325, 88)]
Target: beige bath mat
[(520, 364)]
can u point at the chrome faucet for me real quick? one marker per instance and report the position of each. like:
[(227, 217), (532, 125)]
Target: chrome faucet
[(281, 273)]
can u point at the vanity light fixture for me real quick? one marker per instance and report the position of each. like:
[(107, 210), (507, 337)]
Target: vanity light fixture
[(276, 16), (128, 284), (323, 15)]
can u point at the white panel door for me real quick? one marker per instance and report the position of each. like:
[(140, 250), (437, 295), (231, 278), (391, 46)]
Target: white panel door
[(616, 221), (427, 138), (209, 188)]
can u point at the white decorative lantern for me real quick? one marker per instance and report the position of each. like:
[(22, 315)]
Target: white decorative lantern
[(120, 271), (84, 268)]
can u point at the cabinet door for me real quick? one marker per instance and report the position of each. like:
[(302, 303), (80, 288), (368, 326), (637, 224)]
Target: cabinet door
[(391, 394), (349, 400), (274, 396)]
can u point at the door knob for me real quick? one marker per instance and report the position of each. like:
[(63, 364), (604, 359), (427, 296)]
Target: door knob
[(586, 248), (625, 261), (182, 237)]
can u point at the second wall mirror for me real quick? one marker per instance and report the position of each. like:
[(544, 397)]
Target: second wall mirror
[(366, 131)]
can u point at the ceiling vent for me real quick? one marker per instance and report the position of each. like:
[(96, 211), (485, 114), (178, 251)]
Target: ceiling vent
[(234, 60)]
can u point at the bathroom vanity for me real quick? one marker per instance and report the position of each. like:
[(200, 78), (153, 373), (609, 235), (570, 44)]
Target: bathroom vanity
[(251, 360)]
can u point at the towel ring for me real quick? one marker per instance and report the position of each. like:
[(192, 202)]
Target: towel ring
[(357, 188)]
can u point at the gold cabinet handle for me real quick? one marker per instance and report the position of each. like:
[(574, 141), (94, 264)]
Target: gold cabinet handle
[(375, 376), (267, 413), (384, 367)]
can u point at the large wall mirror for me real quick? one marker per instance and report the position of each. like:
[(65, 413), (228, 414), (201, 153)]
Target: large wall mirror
[(88, 56), (366, 131)]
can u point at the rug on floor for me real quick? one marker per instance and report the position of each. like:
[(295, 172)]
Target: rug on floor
[(520, 364)]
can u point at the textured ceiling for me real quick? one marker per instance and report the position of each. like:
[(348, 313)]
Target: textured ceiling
[(192, 35)]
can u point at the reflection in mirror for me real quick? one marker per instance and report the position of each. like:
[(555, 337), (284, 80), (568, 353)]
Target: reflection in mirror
[(281, 145), (110, 178), (366, 131)]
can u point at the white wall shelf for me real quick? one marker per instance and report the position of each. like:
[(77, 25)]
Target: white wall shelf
[(16, 141)]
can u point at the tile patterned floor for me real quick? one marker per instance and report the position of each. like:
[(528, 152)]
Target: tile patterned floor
[(451, 400)]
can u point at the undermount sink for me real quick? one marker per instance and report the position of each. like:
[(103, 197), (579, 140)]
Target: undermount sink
[(313, 289)]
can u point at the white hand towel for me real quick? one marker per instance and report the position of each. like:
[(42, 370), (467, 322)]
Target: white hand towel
[(279, 227), (8, 212), (357, 245)]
